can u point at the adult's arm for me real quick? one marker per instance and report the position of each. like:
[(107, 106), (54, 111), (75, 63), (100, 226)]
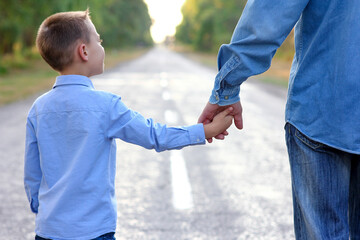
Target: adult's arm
[(262, 28)]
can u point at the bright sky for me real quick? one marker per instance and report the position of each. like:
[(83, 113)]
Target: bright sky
[(166, 15)]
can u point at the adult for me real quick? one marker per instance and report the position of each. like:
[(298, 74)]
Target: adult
[(323, 104)]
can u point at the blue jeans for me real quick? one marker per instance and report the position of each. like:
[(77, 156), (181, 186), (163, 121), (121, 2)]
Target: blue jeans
[(326, 189), (107, 236)]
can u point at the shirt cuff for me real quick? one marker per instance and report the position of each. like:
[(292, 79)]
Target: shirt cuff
[(196, 134), (34, 205), (226, 92), (225, 96)]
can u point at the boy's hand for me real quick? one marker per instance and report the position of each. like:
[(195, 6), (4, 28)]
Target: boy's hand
[(219, 124), (211, 110)]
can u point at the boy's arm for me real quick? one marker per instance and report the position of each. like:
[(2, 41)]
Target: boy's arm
[(132, 127), (32, 170)]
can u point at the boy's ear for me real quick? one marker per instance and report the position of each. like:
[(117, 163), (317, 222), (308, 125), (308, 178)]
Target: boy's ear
[(83, 53)]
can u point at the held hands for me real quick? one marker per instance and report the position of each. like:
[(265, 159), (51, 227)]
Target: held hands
[(219, 124), (215, 113)]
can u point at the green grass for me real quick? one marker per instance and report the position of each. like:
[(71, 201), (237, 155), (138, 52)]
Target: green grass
[(18, 83)]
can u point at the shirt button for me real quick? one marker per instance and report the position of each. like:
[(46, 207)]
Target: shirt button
[(217, 98), (226, 97)]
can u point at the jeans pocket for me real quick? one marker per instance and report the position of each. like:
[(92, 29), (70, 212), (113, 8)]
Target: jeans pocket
[(307, 141)]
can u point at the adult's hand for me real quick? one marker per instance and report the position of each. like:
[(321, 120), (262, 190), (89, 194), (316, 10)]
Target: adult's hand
[(211, 110)]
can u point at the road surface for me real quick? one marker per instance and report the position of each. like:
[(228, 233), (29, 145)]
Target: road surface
[(233, 189)]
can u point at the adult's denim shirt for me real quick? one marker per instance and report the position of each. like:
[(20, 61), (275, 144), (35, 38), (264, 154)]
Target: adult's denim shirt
[(70, 156), (324, 85)]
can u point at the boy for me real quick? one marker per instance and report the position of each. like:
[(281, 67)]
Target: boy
[(70, 136)]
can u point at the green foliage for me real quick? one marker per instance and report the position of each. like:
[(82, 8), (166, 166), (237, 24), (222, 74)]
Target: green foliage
[(209, 23), (119, 22), (125, 23)]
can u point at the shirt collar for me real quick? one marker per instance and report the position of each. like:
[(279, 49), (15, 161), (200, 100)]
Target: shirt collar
[(73, 80)]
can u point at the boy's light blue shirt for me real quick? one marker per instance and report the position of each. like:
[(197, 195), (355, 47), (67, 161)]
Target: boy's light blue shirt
[(324, 86), (70, 156)]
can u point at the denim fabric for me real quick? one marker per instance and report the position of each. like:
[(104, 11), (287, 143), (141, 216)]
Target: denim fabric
[(326, 189), (107, 236), (324, 83)]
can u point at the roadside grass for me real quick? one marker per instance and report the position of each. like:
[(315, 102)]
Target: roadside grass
[(19, 83), (277, 74)]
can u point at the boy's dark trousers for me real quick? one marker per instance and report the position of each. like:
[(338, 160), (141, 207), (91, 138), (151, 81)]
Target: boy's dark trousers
[(107, 236)]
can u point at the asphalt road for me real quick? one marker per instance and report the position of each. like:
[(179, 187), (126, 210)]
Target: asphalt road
[(233, 189)]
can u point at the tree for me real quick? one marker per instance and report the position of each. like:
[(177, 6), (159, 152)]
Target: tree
[(209, 23), (120, 22)]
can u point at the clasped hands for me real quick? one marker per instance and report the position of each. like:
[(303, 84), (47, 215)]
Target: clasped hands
[(223, 115)]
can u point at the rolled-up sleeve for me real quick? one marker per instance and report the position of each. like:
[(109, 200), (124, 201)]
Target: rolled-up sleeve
[(132, 127), (32, 169), (263, 26)]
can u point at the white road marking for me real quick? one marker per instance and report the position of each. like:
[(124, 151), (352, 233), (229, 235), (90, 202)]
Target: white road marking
[(166, 95), (164, 83), (181, 188), (163, 79)]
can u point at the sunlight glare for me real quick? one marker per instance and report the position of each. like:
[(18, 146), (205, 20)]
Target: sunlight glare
[(166, 15)]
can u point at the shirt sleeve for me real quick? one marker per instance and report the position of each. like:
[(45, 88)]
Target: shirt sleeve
[(263, 26), (32, 170), (132, 127)]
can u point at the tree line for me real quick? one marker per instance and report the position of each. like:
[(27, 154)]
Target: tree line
[(119, 22), (207, 24)]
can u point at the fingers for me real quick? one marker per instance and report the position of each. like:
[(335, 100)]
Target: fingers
[(227, 111), (203, 119), (237, 113), (208, 113), (238, 121), (222, 135), (222, 115)]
